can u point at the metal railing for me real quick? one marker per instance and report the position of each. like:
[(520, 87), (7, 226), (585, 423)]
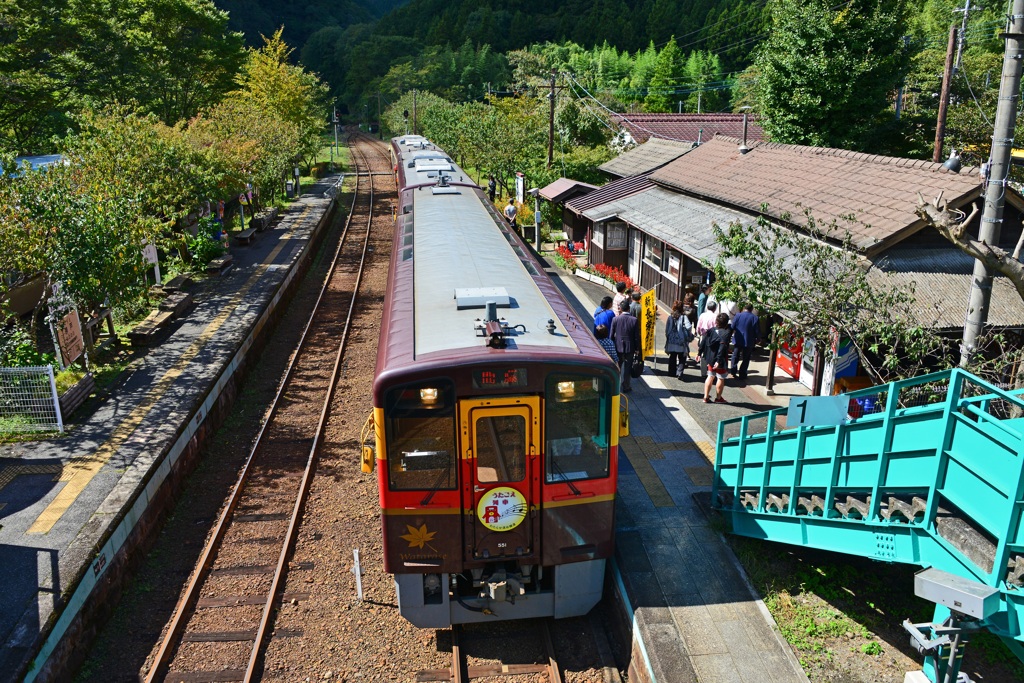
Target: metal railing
[(29, 401)]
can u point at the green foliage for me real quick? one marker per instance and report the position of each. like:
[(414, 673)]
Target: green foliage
[(816, 280), (67, 379), (287, 92), (827, 71), (871, 648), (203, 249), (172, 57), (17, 349), (668, 71)]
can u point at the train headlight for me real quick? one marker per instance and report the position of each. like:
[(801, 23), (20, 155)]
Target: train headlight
[(428, 396), (566, 390)]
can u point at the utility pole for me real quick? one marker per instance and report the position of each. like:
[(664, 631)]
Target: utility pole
[(551, 119), (962, 37), (380, 133), (414, 129), (947, 76), (996, 179)]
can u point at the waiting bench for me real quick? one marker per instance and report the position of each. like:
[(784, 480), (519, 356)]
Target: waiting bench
[(220, 265), (246, 236)]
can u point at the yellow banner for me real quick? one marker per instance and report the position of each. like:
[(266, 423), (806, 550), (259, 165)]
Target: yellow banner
[(648, 322)]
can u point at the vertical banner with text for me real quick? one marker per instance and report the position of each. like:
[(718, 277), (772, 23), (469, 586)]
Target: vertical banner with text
[(648, 321)]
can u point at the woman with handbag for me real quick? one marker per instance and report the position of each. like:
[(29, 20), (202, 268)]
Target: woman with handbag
[(678, 335)]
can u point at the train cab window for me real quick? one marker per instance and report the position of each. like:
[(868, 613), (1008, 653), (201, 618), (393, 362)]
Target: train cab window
[(500, 449), (576, 424), (420, 433)]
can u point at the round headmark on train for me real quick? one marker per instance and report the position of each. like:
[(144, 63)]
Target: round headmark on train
[(502, 509)]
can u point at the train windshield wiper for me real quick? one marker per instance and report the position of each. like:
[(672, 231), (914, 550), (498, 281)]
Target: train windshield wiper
[(558, 470), (441, 477)]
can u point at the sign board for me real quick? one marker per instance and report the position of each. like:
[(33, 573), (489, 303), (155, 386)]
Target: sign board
[(696, 279), (648, 322), (520, 187), (816, 411), (149, 253), (69, 337)]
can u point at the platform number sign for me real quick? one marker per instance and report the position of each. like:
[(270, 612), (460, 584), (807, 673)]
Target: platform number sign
[(816, 411)]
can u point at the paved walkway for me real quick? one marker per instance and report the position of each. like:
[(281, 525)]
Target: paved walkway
[(695, 616), (67, 504)]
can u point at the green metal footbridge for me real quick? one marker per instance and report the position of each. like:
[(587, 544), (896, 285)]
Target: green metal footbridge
[(927, 471)]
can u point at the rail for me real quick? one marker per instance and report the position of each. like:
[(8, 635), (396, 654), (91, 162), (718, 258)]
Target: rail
[(263, 450)]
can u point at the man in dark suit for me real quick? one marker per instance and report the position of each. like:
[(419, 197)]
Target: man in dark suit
[(626, 335), (746, 332)]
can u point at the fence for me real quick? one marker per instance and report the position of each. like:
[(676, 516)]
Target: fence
[(28, 400)]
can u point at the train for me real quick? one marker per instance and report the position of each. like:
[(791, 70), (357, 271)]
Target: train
[(496, 415)]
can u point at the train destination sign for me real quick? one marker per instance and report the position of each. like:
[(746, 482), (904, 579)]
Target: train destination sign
[(499, 378)]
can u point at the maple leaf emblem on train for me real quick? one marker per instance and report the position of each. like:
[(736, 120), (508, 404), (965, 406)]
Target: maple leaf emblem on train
[(419, 538)]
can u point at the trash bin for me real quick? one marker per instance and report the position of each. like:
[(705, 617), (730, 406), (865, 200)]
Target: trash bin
[(289, 188)]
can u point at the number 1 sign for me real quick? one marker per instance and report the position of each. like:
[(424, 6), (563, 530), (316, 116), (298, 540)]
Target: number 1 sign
[(814, 411)]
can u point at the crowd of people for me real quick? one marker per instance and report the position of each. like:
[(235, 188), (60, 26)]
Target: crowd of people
[(725, 336)]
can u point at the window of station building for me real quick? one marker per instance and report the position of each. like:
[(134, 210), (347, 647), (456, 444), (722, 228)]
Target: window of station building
[(576, 425), (672, 262), (420, 436), (617, 233), (598, 235), (653, 251)]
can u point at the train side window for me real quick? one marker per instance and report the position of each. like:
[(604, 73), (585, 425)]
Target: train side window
[(420, 433), (576, 425)]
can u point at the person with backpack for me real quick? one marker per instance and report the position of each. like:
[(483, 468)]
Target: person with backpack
[(678, 335), (715, 355)]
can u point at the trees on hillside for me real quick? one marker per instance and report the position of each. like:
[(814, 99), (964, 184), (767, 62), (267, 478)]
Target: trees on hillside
[(826, 71), (288, 92), (668, 71), (172, 57)]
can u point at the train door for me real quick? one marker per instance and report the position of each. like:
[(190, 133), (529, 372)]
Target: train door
[(500, 443)]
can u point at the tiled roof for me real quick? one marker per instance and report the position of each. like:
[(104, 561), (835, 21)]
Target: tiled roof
[(623, 187), (557, 191), (683, 222), (941, 283), (879, 192), (645, 158), (687, 127)]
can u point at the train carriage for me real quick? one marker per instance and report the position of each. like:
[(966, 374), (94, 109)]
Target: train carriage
[(496, 416)]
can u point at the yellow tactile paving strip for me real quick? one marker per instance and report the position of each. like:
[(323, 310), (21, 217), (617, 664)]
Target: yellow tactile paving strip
[(80, 471), (641, 450)]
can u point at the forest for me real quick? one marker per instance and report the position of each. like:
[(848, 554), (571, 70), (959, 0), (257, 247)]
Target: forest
[(815, 71)]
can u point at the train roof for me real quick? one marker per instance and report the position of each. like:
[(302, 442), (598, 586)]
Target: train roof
[(453, 253), (463, 260)]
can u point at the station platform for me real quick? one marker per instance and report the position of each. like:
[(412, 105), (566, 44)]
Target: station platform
[(71, 506), (694, 615)]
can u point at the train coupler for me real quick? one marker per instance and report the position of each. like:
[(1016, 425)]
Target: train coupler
[(502, 587)]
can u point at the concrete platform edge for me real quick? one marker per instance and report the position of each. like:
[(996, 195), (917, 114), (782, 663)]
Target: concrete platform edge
[(115, 543)]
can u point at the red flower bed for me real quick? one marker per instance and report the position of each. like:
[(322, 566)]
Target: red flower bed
[(565, 253), (613, 273)]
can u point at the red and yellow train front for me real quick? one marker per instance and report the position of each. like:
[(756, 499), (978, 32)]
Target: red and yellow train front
[(497, 492)]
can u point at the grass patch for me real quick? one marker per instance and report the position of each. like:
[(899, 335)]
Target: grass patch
[(843, 614)]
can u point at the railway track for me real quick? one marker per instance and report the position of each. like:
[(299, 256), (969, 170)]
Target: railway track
[(224, 618), (461, 671)]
